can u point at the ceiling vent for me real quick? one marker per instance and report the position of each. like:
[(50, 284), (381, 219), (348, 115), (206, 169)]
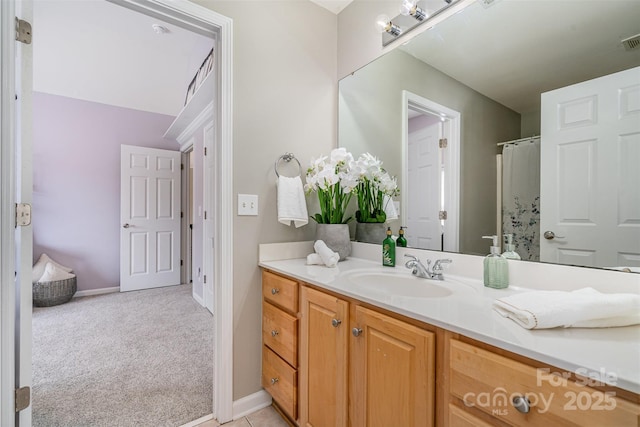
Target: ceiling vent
[(631, 43)]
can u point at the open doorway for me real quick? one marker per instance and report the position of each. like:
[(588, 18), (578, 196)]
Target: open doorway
[(89, 161), (430, 173)]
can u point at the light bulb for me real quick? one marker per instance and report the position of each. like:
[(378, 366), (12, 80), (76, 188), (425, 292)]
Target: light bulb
[(407, 7), (383, 23)]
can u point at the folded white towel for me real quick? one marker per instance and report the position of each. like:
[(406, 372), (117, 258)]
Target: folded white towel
[(583, 308), (389, 208), (329, 257), (314, 259), (292, 205)]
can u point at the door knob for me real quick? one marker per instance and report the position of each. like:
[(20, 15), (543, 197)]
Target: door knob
[(126, 226), (550, 235), (356, 332), (335, 322)]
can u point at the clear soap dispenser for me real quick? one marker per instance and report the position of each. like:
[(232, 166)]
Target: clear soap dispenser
[(496, 268), (510, 248)]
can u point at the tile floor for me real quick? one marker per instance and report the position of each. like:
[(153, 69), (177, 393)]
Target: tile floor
[(267, 417)]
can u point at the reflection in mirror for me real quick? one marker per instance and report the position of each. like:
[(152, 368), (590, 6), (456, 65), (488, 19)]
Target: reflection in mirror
[(492, 65)]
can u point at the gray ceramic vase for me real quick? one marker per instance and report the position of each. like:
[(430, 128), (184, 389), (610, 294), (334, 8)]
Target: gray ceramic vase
[(336, 236), (371, 232)]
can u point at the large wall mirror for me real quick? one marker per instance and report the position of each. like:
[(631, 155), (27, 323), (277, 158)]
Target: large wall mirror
[(538, 105)]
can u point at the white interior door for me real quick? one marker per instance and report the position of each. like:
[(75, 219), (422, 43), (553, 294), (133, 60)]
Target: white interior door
[(590, 191), (16, 187), (209, 219), (150, 218), (423, 186)]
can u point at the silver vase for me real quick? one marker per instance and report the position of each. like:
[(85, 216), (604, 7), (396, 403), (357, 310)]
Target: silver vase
[(336, 237)]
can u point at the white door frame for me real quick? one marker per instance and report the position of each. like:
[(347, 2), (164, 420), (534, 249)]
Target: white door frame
[(188, 12), (452, 164)]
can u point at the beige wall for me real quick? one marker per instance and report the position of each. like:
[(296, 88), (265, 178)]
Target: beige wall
[(284, 97)]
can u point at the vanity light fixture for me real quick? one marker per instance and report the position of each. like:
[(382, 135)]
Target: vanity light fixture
[(384, 25), (410, 8)]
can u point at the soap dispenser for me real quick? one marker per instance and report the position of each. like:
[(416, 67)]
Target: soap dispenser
[(510, 248), (496, 268), (401, 241), (389, 250)]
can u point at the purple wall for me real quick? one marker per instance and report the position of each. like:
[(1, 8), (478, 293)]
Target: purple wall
[(76, 181)]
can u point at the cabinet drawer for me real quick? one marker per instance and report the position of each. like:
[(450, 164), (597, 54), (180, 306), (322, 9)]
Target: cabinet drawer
[(280, 381), (461, 418), (280, 291), (489, 382), (280, 333)]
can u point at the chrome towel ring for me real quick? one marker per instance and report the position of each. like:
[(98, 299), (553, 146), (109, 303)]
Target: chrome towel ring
[(287, 157)]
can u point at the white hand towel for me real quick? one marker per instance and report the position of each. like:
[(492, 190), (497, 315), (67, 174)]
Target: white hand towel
[(389, 208), (329, 257), (314, 259), (292, 205), (583, 308)]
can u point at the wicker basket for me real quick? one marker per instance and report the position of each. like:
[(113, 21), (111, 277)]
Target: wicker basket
[(47, 294)]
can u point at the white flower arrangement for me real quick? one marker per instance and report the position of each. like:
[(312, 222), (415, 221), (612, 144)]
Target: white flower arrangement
[(337, 177), (374, 183)]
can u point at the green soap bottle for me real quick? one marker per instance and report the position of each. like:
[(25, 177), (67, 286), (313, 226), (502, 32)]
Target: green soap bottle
[(401, 241), (388, 250)]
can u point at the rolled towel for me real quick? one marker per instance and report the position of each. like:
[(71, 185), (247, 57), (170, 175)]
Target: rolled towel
[(292, 205), (582, 308), (389, 208), (314, 259), (329, 257)]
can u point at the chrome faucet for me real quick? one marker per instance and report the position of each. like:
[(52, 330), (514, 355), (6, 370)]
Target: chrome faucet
[(419, 270)]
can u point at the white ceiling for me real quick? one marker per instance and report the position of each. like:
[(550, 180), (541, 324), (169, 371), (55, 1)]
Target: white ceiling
[(516, 49), (101, 52), (334, 6)]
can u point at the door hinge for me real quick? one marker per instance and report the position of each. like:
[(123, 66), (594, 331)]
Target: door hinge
[(205, 278), (443, 143), (181, 166), (23, 31), (22, 398), (205, 214), (205, 151), (181, 263), (23, 214), (442, 215), (181, 214)]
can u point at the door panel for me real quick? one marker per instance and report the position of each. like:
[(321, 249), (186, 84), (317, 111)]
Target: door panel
[(590, 144), (150, 218)]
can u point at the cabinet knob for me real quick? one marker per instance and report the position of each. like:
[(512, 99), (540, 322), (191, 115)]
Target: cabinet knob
[(335, 322), (356, 332), (274, 333), (275, 291), (274, 380), (522, 404)]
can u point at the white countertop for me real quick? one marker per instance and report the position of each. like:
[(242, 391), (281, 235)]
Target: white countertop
[(606, 353)]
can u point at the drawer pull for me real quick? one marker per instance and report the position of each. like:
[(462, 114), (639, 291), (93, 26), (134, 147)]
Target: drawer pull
[(274, 381), (522, 404), (274, 333), (275, 291), (356, 332), (335, 322)]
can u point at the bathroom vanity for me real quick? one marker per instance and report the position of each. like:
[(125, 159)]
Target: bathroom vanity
[(337, 352)]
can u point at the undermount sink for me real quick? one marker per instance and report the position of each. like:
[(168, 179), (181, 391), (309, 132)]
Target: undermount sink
[(399, 284)]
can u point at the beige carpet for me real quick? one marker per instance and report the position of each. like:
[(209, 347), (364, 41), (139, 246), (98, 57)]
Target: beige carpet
[(142, 358)]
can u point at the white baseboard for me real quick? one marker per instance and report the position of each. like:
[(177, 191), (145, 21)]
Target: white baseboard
[(249, 404), (198, 299), (100, 291), (199, 421)]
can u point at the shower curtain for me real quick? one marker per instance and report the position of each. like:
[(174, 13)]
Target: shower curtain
[(521, 196)]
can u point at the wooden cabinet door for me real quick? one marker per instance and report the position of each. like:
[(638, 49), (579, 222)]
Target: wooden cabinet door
[(324, 339), (392, 372)]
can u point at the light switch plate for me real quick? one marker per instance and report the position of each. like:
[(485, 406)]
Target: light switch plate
[(247, 204)]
